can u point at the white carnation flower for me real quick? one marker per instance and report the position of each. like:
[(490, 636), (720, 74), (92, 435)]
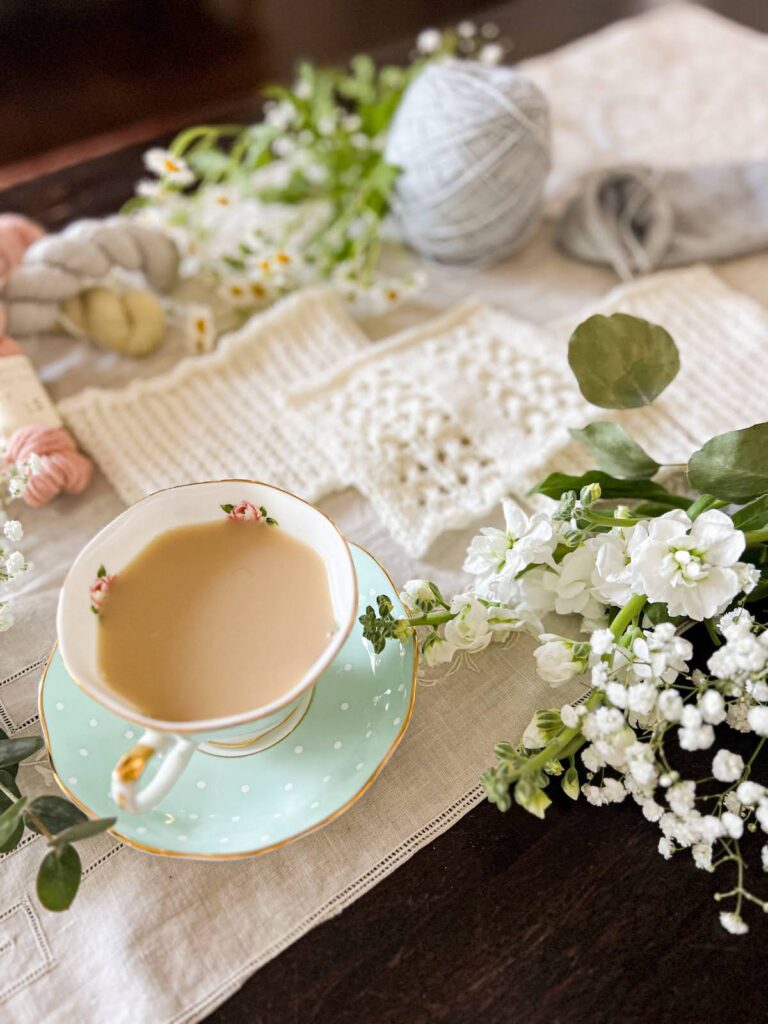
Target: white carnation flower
[(688, 566)]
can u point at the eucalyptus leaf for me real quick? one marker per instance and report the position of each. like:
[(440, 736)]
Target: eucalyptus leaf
[(753, 516), (760, 593), (13, 841), (12, 769), (732, 466), (84, 830), (10, 818), (8, 781), (615, 452), (557, 484), (13, 751), (622, 361), (58, 878), (54, 812)]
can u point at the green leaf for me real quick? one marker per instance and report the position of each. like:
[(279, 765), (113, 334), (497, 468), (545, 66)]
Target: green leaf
[(54, 812), (615, 452), (732, 466), (10, 819), (8, 782), (84, 830), (570, 783), (558, 484), (226, 508), (102, 572), (59, 878), (13, 751), (621, 361), (753, 516)]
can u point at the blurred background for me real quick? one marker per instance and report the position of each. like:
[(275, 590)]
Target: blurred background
[(120, 71)]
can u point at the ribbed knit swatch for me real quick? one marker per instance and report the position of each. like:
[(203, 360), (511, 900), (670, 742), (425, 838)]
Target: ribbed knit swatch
[(216, 416)]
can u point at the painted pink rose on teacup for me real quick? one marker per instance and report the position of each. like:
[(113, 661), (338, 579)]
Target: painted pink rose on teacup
[(248, 512), (99, 589)]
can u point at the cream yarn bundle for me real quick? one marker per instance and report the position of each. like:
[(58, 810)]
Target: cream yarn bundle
[(66, 281), (472, 142)]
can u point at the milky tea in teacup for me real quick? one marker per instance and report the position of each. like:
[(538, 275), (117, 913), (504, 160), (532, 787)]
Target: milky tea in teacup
[(214, 618)]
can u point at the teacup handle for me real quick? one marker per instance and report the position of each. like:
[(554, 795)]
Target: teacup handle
[(129, 769)]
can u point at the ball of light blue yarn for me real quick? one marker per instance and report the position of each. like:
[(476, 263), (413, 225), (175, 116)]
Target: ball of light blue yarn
[(472, 143)]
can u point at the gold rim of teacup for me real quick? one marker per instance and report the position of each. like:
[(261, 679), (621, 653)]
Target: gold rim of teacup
[(158, 851)]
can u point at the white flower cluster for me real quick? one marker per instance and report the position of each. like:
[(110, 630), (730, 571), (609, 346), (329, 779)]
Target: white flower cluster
[(692, 567), (647, 709), (13, 480)]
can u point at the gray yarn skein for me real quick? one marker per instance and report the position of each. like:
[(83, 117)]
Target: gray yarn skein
[(472, 143)]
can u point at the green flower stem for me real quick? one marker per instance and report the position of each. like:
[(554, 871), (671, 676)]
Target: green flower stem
[(703, 504), (598, 519), (183, 141), (756, 536), (432, 619), (554, 749), (632, 608)]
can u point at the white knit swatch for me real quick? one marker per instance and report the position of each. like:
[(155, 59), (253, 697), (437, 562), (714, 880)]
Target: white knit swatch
[(435, 425), (216, 416)]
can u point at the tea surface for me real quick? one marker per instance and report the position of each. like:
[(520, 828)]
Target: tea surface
[(214, 619)]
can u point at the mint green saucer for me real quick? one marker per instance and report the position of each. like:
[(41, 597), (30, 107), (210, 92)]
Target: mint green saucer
[(241, 806)]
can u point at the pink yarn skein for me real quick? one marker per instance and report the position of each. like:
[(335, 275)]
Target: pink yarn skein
[(17, 233), (64, 467)]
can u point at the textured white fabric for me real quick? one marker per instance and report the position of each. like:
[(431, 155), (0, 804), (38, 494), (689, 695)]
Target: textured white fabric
[(676, 86), (213, 417), (435, 425), (167, 941)]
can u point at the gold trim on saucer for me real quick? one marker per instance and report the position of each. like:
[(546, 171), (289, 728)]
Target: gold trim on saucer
[(157, 851), (131, 765)]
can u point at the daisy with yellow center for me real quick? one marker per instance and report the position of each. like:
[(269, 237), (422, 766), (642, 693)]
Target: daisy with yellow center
[(168, 167)]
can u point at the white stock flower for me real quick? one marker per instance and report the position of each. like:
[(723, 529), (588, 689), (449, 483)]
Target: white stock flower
[(526, 540), (573, 587), (555, 661), (13, 530), (612, 573), (170, 168), (437, 651), (727, 766), (688, 566), (470, 630), (416, 593)]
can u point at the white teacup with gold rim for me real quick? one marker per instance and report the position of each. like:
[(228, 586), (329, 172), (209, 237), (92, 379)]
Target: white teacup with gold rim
[(246, 707)]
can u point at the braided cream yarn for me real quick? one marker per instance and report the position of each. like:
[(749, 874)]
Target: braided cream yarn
[(472, 143), (60, 267)]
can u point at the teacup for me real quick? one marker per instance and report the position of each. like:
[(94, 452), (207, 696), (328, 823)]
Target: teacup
[(229, 735)]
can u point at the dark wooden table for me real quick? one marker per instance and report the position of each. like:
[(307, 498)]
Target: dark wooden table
[(503, 918)]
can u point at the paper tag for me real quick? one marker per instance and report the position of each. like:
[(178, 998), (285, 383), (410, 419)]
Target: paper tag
[(23, 399)]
